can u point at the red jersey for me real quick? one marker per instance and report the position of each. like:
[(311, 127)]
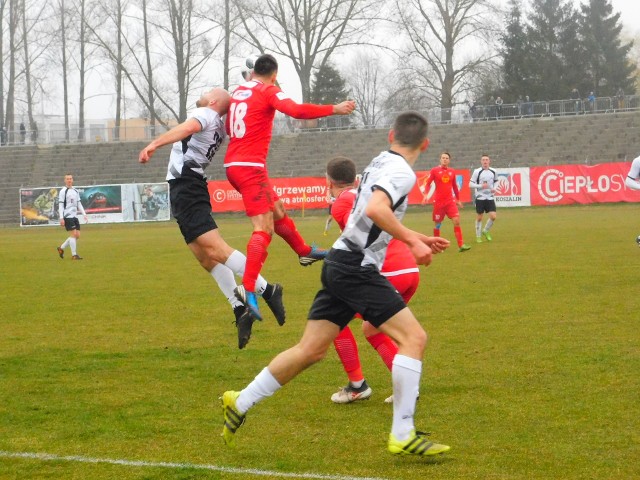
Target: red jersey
[(446, 186), (249, 122), (399, 258)]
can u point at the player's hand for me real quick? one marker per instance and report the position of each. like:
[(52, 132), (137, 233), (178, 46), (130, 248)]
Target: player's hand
[(438, 244), (344, 108), (62, 222), (86, 219), (460, 205), (421, 252), (145, 154)]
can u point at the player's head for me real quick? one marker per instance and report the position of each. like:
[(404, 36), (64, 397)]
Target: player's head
[(410, 130), (445, 159), (217, 99), (265, 67), (341, 171), (68, 180), (485, 161)]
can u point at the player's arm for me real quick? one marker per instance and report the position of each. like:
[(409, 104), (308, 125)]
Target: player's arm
[(633, 177), (427, 187), (379, 210), (284, 104), (474, 183), (177, 133), (81, 209), (61, 206)]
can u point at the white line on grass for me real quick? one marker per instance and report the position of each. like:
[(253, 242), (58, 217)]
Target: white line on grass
[(177, 466)]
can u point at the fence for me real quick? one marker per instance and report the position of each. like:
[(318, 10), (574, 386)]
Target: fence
[(464, 113)]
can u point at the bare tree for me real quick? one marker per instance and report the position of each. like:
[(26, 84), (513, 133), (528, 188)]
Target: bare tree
[(439, 31), (63, 32), (366, 80), (307, 31), (3, 4), (14, 17)]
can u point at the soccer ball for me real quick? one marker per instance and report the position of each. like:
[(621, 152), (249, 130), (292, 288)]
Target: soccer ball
[(638, 240), (247, 67)]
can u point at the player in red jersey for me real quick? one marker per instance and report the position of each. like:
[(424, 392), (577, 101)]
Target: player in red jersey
[(399, 267), (249, 125), (447, 198)]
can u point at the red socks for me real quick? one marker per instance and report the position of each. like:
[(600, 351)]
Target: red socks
[(347, 350), (458, 233), (385, 347), (288, 231), (256, 256)]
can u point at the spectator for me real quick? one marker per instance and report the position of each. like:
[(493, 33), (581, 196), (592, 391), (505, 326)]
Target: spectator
[(620, 96), (592, 102), (23, 133), (472, 109), (528, 106), (519, 103), (491, 107), (575, 96), (3, 136), (34, 133), (499, 103)]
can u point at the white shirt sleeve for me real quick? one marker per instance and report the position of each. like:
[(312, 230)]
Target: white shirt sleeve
[(633, 177), (61, 202)]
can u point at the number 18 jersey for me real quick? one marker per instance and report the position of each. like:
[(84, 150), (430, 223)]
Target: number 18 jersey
[(390, 173)]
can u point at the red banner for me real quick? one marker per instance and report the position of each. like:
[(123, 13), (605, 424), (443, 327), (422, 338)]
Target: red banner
[(585, 184), (310, 192)]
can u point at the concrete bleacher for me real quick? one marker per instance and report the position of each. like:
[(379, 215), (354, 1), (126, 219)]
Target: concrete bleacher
[(584, 139)]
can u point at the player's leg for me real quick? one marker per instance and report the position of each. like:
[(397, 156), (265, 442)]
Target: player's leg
[(491, 209), (478, 225), (407, 369), (312, 348), (347, 350), (285, 227), (437, 216), (73, 240), (453, 214)]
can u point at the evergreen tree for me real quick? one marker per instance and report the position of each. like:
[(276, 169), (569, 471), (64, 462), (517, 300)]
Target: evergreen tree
[(329, 88), (516, 64), (606, 59), (552, 46)]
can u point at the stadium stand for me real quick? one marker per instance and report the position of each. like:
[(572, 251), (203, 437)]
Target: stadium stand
[(585, 139)]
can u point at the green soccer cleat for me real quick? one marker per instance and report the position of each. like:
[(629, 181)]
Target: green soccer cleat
[(232, 418), (464, 247), (478, 239), (416, 444), (487, 235)]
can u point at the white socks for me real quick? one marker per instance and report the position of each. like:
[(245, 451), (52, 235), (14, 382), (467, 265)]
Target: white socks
[(72, 243), (478, 228), (263, 386), (237, 262), (488, 225), (227, 283), (405, 374)]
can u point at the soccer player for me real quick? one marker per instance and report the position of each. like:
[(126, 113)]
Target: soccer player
[(249, 124), (68, 206), (633, 177), (447, 198), (352, 283), (483, 180), (399, 267), (195, 142)]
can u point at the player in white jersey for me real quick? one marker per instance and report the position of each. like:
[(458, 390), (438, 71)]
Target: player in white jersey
[(483, 180), (195, 142), (352, 283), (69, 205), (633, 177)]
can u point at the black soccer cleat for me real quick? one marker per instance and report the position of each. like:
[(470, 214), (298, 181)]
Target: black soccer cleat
[(244, 323), (274, 302)]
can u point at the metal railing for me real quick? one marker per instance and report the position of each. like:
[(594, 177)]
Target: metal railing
[(96, 133)]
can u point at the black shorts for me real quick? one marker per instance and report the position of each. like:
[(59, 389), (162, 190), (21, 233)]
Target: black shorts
[(485, 206), (71, 223), (348, 288), (191, 207)]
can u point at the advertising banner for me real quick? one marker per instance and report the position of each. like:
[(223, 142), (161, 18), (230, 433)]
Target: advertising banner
[(513, 188), (102, 203), (311, 192), (566, 184)]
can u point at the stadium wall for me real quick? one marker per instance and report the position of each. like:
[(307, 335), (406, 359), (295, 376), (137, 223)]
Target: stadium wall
[(584, 139)]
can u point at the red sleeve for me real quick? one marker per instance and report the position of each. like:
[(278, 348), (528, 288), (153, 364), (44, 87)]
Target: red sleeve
[(282, 103), (341, 208), (454, 184)]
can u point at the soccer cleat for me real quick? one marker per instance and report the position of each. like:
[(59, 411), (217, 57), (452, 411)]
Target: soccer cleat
[(60, 252), (416, 444), (478, 239), (389, 399), (244, 323), (464, 247), (76, 257), (487, 235), (275, 304), (232, 418), (249, 300), (313, 256), (351, 394)]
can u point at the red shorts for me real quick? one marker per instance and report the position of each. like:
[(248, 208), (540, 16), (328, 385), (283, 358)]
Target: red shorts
[(406, 284), (253, 184), (446, 210)]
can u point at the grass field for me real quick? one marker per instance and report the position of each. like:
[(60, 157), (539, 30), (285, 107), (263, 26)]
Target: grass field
[(113, 366)]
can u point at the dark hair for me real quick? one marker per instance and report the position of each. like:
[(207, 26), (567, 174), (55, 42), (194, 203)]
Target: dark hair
[(266, 64), (410, 129), (342, 170)]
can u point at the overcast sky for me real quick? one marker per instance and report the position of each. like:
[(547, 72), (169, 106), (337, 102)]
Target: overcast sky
[(102, 106)]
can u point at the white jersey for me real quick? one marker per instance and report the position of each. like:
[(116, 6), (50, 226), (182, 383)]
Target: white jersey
[(478, 177), (633, 177), (69, 203), (390, 173), (193, 154)]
